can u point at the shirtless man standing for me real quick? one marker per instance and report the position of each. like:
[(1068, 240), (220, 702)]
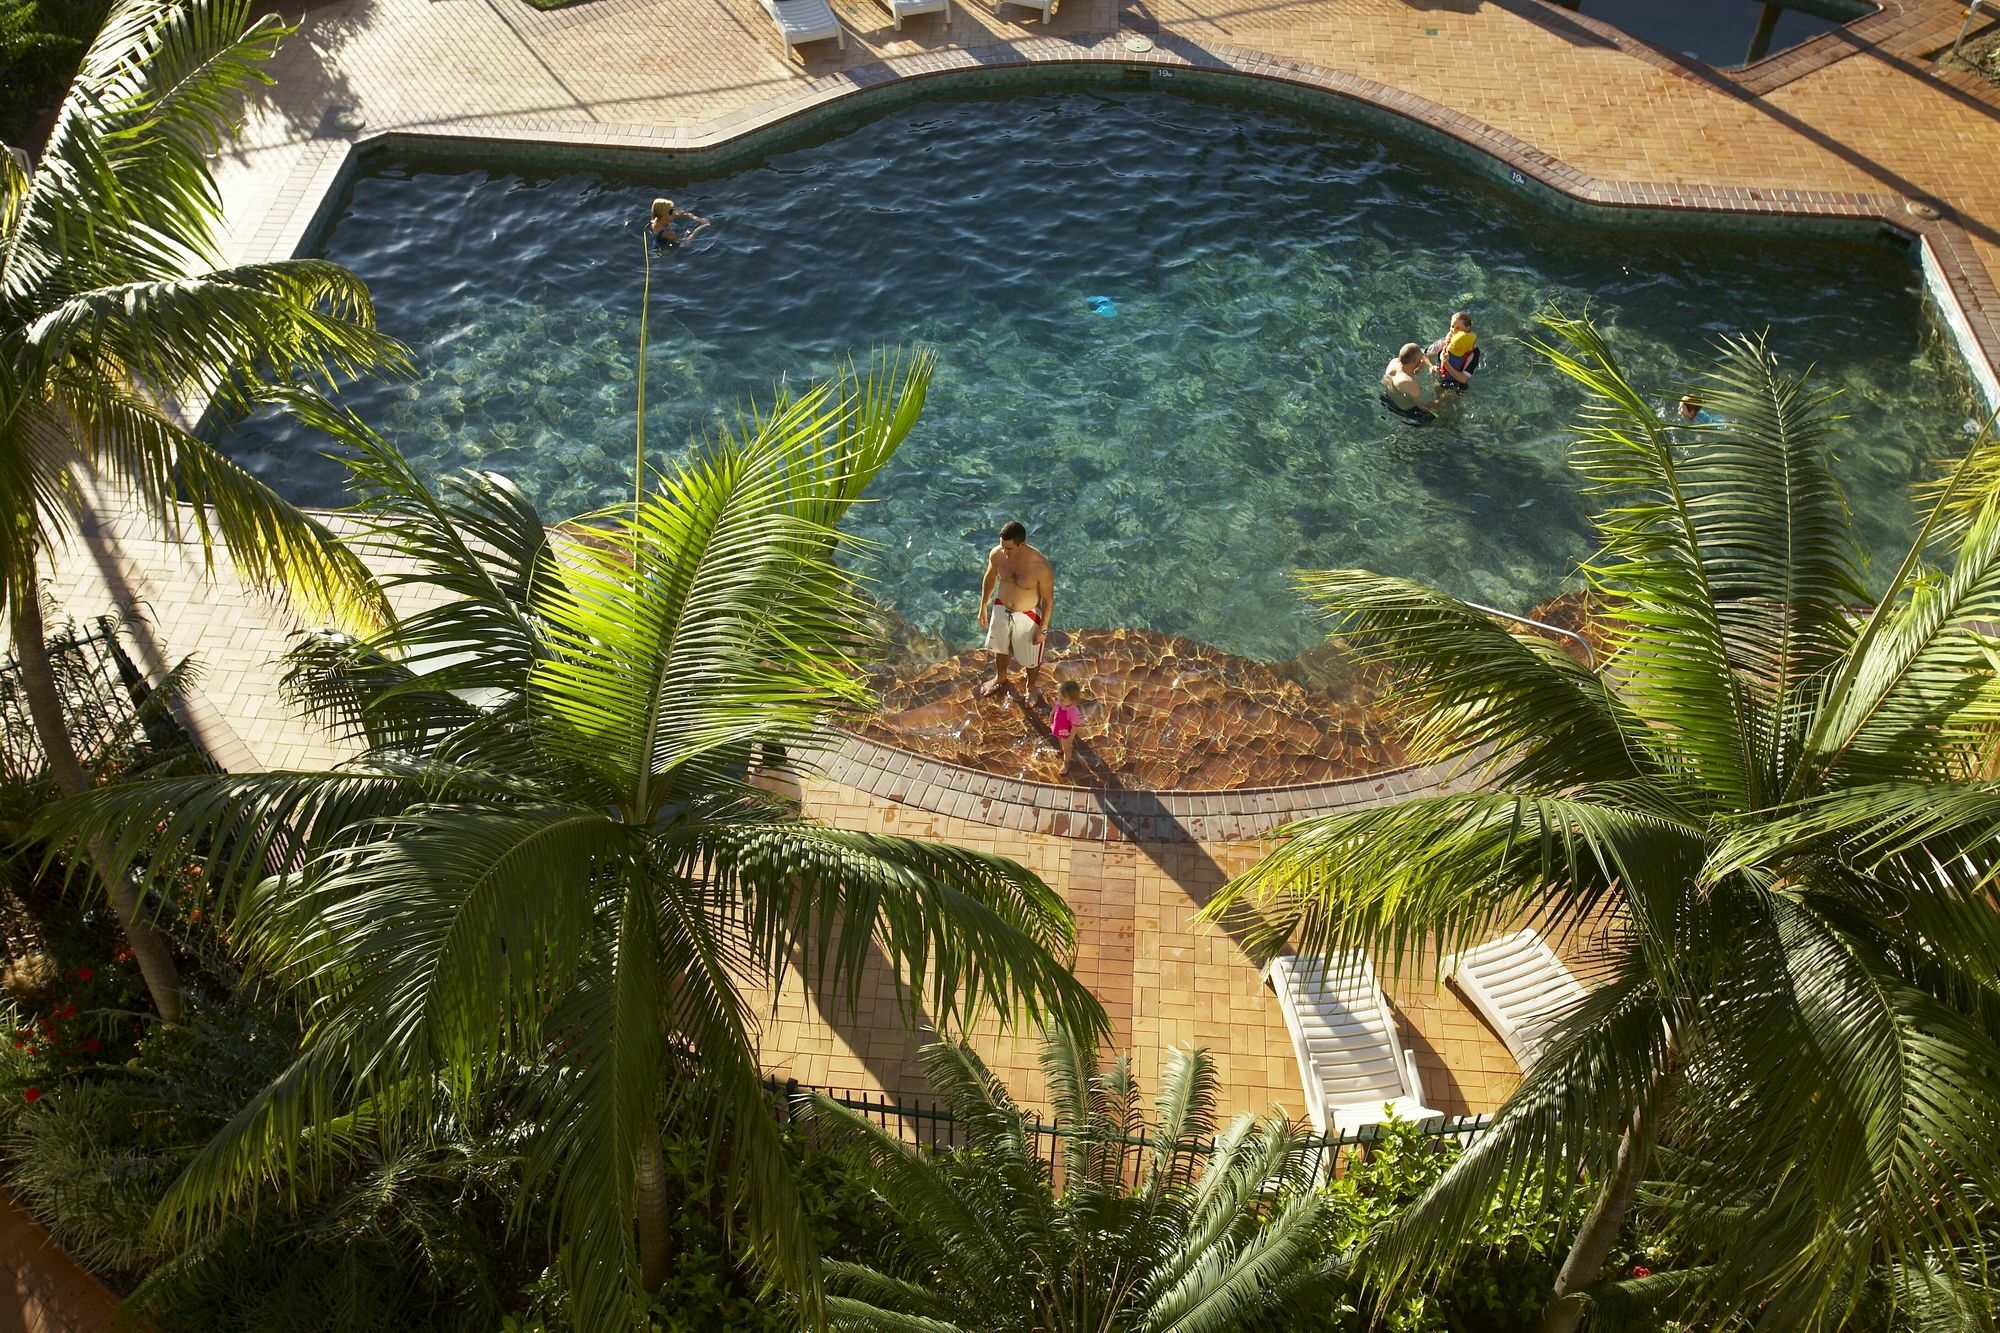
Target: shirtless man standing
[(1015, 603)]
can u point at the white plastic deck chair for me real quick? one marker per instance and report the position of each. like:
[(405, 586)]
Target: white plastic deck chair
[(1048, 7), (1519, 986), (805, 21), (905, 9), (1345, 1037)]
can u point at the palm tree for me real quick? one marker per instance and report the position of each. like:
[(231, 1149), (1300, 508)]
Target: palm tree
[(1175, 1227), (110, 299), (553, 856), (1772, 808)]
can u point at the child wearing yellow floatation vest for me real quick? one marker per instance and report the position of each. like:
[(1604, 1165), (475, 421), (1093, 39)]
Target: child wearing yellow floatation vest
[(1457, 354)]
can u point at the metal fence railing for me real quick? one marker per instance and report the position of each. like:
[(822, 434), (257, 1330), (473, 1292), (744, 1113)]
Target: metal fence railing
[(104, 698), (933, 1126)]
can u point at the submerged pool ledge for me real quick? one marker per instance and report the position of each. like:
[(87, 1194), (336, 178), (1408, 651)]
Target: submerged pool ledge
[(1963, 292), (1113, 814)]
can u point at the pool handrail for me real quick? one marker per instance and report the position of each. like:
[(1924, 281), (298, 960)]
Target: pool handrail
[(1589, 655)]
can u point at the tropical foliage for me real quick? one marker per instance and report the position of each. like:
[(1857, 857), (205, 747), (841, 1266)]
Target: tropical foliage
[(404, 1239), (1772, 816), (1206, 1228), (113, 298), (41, 44), (552, 870)]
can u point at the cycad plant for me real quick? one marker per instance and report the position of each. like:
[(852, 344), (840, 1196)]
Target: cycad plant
[(1771, 808), (112, 297), (552, 868), (1169, 1226), (408, 1239)]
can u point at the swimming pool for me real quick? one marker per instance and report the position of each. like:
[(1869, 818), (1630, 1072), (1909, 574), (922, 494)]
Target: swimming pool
[(1177, 448)]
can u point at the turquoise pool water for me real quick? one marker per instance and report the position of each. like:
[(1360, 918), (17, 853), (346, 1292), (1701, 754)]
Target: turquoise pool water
[(1176, 458)]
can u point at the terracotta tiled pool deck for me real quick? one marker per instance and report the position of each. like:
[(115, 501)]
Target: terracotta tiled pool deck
[(1857, 124)]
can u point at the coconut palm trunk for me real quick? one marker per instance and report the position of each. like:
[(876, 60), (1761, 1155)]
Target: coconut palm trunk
[(656, 1247), (149, 946), (1599, 1232), (110, 280)]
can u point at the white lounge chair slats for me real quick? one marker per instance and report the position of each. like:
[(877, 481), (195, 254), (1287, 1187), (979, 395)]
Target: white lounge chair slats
[(1519, 986), (1048, 7), (805, 21), (1350, 1060), (906, 9)]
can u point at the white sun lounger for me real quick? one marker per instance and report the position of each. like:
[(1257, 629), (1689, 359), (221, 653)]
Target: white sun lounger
[(907, 9), (1345, 1038), (1519, 986), (1048, 7), (805, 21)]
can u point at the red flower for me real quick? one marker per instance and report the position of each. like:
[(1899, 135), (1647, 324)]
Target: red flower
[(1640, 1270), (84, 974), (32, 1094), (93, 1045), (67, 1011), (20, 1045)]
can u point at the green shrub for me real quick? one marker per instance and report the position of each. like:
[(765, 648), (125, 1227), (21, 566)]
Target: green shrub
[(414, 1241), (711, 1290), (1502, 1282)]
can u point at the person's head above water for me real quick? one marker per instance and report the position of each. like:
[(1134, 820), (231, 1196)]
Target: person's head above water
[(1070, 691), (662, 208), (1013, 532), (1461, 320), (1690, 406), (1411, 355)]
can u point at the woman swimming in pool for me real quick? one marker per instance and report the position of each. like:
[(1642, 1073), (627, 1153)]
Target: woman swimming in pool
[(662, 225)]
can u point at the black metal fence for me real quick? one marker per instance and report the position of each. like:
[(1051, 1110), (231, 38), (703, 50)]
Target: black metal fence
[(933, 1126), (104, 699)]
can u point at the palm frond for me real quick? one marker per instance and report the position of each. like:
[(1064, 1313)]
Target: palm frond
[(940, 1225), (35, 485), (1069, 1069), (231, 828), (1184, 1123), (1469, 687), (224, 331), (122, 191), (1652, 570), (1920, 694), (1443, 871), (183, 482), (1773, 528), (966, 932)]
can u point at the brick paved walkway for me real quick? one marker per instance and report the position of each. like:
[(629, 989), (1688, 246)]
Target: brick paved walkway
[(1854, 123), (51, 1292)]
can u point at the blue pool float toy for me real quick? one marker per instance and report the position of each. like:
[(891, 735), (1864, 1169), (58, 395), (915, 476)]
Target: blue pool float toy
[(1102, 305)]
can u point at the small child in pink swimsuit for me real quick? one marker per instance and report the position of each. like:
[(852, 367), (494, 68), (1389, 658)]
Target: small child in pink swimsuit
[(1062, 722)]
